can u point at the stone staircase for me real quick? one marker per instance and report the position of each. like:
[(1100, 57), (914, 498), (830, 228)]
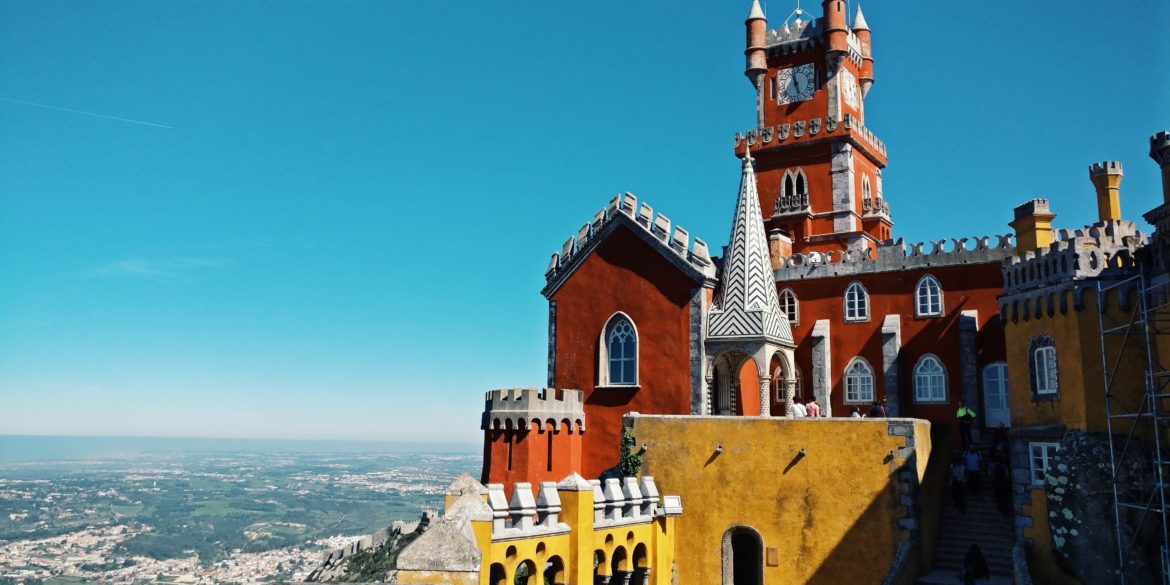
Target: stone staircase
[(982, 525)]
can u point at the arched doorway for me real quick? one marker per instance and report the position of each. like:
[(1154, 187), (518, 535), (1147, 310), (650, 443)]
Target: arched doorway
[(733, 384), (743, 557)]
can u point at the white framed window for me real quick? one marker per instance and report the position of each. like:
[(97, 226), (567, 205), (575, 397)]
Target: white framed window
[(1044, 374), (995, 380), (619, 352), (856, 303), (865, 189), (858, 382), (930, 380), (1041, 455), (790, 305), (928, 297), (778, 382)]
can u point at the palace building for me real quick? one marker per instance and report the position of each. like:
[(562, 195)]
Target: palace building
[(695, 358)]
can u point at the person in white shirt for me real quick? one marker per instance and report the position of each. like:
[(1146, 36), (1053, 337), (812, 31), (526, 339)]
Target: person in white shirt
[(798, 410)]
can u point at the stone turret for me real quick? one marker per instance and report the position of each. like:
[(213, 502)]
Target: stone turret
[(1160, 152), (861, 31), (1033, 225), (1106, 177), (532, 434)]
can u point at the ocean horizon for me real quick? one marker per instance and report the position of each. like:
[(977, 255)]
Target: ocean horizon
[(35, 448)]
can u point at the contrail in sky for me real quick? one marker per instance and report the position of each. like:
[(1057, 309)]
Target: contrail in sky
[(60, 109)]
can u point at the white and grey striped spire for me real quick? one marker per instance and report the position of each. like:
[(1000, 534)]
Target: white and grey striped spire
[(747, 306)]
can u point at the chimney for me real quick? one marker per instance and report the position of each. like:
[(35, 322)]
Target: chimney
[(779, 247), (1106, 177), (1160, 152), (1033, 225)]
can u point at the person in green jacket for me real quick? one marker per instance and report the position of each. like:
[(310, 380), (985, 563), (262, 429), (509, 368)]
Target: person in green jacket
[(966, 418)]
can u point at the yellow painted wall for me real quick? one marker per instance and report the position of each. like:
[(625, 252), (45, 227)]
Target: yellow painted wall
[(1041, 558), (831, 514), (575, 549), (1077, 335)]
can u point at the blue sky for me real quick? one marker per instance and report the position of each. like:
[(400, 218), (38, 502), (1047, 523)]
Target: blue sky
[(331, 220)]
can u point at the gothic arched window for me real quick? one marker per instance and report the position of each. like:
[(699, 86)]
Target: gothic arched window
[(859, 382), (866, 192), (930, 380), (856, 303), (790, 305), (928, 297), (619, 352)]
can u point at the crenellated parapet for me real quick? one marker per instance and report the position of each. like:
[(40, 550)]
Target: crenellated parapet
[(806, 35), (811, 130), (1091, 252), (1054, 279), (674, 241), (536, 511), (895, 255), (519, 408), (554, 530)]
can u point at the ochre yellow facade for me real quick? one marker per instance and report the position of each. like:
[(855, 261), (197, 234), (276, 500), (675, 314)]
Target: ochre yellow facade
[(829, 516), (566, 553)]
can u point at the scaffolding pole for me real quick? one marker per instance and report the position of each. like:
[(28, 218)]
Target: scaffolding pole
[(1135, 334)]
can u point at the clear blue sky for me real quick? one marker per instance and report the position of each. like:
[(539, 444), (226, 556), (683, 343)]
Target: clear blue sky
[(337, 221)]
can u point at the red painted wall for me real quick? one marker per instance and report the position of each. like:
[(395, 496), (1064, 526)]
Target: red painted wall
[(967, 287), (624, 274)]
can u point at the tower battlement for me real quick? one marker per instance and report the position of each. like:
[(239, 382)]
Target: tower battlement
[(1109, 167), (624, 208), (517, 408), (1075, 255)]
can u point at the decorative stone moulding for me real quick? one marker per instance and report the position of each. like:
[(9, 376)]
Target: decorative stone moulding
[(812, 127), (692, 251), (893, 255)]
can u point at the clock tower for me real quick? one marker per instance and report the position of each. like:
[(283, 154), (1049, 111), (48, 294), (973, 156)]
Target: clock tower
[(818, 166)]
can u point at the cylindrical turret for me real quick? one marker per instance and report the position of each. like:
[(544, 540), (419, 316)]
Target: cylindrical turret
[(1160, 152), (861, 31), (836, 31), (1106, 178), (757, 28)]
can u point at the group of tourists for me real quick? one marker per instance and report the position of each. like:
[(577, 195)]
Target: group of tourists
[(966, 476), (808, 407)]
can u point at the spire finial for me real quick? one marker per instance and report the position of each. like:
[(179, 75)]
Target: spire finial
[(747, 157), (859, 20)]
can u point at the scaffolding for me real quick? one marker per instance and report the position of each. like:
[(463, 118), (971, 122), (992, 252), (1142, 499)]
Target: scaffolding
[(1128, 337)]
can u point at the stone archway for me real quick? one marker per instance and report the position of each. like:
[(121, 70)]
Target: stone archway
[(743, 556)]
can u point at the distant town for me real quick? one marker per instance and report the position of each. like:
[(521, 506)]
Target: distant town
[(205, 517)]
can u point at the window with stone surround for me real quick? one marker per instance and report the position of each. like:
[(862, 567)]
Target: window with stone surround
[(790, 305), (928, 297), (619, 352), (858, 382), (1044, 370), (1041, 455), (930, 380), (856, 303)]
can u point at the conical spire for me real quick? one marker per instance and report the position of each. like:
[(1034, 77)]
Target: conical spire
[(756, 12), (747, 306), (859, 20)]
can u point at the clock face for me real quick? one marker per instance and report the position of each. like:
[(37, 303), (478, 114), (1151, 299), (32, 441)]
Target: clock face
[(848, 87), (796, 84)]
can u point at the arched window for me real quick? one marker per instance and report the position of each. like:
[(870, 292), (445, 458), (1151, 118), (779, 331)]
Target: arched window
[(928, 297), (778, 383), (858, 382), (795, 183), (865, 190), (619, 352), (1045, 374), (930, 380), (856, 303), (790, 305)]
